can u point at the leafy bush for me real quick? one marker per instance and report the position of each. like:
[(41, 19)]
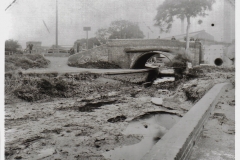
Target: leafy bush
[(24, 63), (34, 57), (11, 45), (45, 85), (179, 63), (28, 93)]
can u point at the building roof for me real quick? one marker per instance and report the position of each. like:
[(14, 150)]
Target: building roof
[(180, 36), (202, 34)]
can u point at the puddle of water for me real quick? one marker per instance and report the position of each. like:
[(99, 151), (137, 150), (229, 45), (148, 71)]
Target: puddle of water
[(152, 127)]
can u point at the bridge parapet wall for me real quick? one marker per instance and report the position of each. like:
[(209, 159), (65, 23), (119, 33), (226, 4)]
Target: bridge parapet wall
[(114, 51), (118, 56), (95, 54)]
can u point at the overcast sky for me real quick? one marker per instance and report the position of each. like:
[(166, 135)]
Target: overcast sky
[(24, 19)]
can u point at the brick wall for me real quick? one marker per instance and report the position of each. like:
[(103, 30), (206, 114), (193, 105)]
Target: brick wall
[(96, 54)]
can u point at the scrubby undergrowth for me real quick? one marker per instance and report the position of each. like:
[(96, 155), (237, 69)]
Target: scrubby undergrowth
[(97, 65), (14, 62), (82, 86), (36, 87)]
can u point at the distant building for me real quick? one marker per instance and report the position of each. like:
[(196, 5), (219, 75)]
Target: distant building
[(79, 45), (220, 22), (202, 36), (37, 46)]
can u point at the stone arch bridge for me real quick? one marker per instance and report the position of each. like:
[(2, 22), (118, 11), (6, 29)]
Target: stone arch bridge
[(133, 53)]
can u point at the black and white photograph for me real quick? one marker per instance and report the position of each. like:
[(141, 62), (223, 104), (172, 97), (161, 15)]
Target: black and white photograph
[(118, 80)]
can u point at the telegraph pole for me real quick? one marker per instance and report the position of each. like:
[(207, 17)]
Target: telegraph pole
[(87, 40), (57, 26), (87, 29)]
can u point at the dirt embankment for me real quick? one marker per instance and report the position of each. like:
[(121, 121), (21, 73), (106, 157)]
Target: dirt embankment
[(83, 118)]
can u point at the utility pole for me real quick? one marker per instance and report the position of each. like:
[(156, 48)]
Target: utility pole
[(87, 40), (57, 26), (87, 29)]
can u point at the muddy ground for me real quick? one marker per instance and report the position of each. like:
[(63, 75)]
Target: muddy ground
[(84, 126)]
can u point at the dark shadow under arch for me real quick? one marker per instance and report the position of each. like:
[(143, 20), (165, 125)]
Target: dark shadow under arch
[(140, 62)]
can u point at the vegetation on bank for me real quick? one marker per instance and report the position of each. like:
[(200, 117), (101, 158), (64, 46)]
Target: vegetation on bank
[(97, 65), (18, 61)]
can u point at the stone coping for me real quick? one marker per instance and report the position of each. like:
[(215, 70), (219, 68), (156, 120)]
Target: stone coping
[(177, 143)]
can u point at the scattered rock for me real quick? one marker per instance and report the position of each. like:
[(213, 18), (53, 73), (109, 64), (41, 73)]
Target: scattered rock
[(205, 134), (231, 103), (18, 157), (221, 117), (164, 79), (147, 84), (112, 94), (90, 106), (56, 130), (163, 90), (117, 119), (32, 139), (46, 153), (157, 101), (231, 131)]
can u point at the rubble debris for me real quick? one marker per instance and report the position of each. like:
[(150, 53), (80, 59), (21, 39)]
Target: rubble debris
[(91, 105), (221, 117), (18, 157), (46, 153), (56, 130), (117, 119), (32, 139), (164, 79), (230, 130), (147, 84), (157, 101), (163, 90), (231, 102)]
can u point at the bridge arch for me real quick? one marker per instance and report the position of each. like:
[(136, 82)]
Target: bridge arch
[(140, 61)]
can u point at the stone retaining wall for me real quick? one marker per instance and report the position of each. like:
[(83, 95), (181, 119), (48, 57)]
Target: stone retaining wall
[(177, 143)]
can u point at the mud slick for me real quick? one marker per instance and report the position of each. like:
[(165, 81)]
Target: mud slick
[(89, 116)]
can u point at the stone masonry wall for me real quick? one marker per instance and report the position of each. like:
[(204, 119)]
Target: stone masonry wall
[(96, 54), (125, 60), (113, 51)]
